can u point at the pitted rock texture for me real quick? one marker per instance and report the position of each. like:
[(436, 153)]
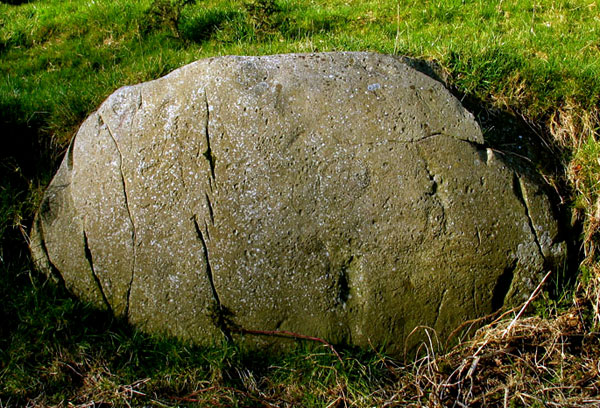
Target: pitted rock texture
[(340, 195)]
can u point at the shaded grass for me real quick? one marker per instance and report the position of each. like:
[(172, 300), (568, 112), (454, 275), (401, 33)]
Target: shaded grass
[(54, 350)]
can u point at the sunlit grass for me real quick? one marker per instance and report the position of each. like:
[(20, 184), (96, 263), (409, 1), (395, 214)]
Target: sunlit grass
[(531, 55), (535, 61)]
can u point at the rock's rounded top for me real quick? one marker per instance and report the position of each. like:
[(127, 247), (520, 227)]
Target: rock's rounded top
[(378, 95), (345, 196)]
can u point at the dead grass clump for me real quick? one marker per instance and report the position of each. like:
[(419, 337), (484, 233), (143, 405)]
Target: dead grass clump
[(524, 362), (571, 124), (575, 128)]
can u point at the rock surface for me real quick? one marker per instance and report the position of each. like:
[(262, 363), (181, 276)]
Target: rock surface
[(340, 195)]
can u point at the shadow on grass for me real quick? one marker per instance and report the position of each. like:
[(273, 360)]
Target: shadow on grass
[(55, 349), (16, 2), (204, 25)]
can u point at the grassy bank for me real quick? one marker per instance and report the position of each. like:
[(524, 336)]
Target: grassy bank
[(526, 68)]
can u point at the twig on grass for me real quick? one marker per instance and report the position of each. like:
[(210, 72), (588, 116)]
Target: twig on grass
[(190, 397)]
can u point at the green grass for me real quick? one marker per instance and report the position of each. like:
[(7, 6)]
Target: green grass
[(61, 58), (526, 67), (585, 168)]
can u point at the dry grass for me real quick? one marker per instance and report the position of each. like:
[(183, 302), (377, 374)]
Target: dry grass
[(575, 129), (572, 124), (544, 362)]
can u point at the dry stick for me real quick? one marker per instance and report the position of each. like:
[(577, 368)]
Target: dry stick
[(469, 322), (531, 298), (189, 397), (285, 333), (413, 331), (383, 359), (534, 294), (334, 402), (513, 153)]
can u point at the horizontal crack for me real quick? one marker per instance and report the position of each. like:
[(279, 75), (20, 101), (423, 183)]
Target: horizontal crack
[(416, 141)]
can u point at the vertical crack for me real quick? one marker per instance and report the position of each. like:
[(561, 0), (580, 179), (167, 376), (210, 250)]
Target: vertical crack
[(208, 154), (70, 155), (520, 193), (219, 317), (210, 209), (439, 308), (207, 233), (343, 284), (434, 185), (133, 229), (138, 108), (53, 270), (140, 100), (90, 259), (434, 188)]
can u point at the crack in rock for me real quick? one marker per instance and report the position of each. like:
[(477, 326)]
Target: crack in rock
[(52, 269), (520, 192), (434, 190), (208, 153), (219, 319), (133, 229), (90, 259), (207, 232), (439, 308), (210, 209), (429, 136), (343, 284), (415, 141)]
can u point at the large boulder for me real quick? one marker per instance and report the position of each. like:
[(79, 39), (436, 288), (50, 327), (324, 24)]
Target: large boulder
[(345, 196)]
